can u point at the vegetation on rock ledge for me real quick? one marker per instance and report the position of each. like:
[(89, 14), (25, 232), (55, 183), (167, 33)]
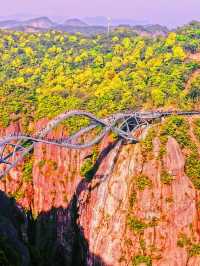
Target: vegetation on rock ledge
[(143, 182), (166, 178), (142, 260)]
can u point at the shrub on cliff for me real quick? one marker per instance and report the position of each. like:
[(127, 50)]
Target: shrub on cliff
[(89, 166), (27, 170), (178, 128), (142, 260), (143, 182), (136, 224), (197, 128), (166, 178), (192, 168)]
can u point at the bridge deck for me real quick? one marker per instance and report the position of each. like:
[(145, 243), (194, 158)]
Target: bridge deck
[(14, 148)]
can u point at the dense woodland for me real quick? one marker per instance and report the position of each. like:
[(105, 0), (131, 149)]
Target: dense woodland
[(44, 74)]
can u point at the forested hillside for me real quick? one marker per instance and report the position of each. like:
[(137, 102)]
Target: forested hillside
[(43, 74), (112, 204)]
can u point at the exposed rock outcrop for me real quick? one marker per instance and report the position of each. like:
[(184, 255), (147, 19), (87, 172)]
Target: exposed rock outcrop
[(170, 210), (125, 214)]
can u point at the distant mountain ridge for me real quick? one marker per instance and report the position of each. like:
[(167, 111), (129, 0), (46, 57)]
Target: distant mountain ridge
[(151, 29), (74, 25), (103, 21), (40, 22), (9, 24)]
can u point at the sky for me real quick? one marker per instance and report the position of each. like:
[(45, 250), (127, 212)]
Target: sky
[(165, 12)]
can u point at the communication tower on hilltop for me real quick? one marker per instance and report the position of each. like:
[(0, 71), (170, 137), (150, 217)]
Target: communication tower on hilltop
[(109, 25)]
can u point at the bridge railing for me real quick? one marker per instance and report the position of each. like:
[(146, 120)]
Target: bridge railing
[(14, 148)]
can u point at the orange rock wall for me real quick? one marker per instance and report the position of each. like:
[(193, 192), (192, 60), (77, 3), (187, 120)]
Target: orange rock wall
[(103, 205)]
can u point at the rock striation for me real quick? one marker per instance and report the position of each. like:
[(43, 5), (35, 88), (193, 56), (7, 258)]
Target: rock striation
[(125, 215)]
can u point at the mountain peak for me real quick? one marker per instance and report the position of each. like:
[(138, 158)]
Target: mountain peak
[(40, 22), (75, 22)]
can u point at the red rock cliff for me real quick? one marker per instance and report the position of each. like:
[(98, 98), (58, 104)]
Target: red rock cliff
[(116, 219)]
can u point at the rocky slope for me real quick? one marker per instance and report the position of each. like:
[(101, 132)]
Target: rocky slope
[(130, 213)]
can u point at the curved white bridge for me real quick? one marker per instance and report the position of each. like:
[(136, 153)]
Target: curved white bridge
[(14, 148)]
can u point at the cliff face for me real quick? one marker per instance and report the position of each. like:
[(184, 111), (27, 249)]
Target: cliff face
[(162, 213), (126, 215)]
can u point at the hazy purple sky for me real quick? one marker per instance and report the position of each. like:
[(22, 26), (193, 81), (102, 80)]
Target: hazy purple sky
[(170, 12)]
